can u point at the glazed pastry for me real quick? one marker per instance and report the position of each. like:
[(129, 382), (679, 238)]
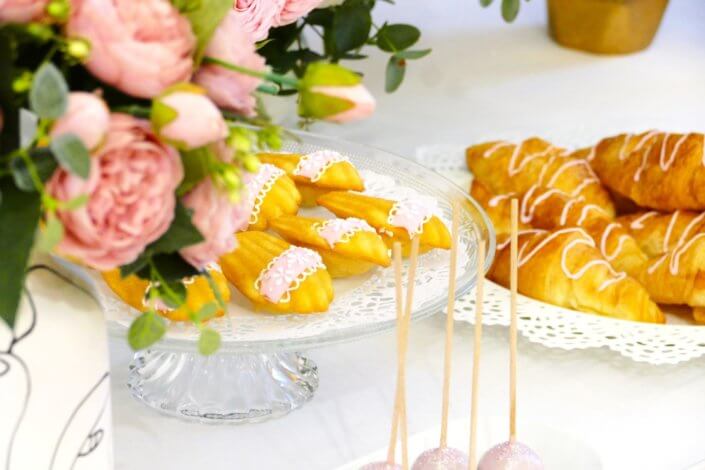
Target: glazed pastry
[(277, 276), (317, 173), (654, 169), (268, 194), (497, 207), (394, 220), (658, 233), (348, 246), (565, 268), (134, 291), (509, 168), (552, 209)]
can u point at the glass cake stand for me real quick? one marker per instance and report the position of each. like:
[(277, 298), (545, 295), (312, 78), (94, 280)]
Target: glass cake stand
[(258, 373)]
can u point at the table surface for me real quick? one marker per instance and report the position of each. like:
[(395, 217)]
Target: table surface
[(483, 80)]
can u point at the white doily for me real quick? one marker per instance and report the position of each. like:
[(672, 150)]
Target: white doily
[(558, 327)]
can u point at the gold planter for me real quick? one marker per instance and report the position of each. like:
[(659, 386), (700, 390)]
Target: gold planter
[(605, 26)]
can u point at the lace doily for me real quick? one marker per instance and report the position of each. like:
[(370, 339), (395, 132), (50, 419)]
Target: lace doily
[(558, 327)]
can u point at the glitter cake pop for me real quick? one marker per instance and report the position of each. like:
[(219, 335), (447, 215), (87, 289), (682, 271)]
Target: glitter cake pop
[(441, 458), (381, 466), (510, 456)]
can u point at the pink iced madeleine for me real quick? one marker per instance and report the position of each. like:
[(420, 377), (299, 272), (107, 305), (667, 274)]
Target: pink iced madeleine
[(441, 458), (286, 272), (510, 456), (411, 214), (256, 188), (313, 165), (341, 230)]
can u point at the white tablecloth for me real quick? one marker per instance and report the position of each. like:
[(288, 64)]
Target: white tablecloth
[(484, 80)]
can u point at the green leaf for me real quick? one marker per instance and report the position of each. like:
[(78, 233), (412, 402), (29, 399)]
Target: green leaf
[(486, 3), (51, 234), (214, 288), (394, 74), (196, 167), (181, 233), (19, 217), (135, 266), (44, 163), (172, 267), (204, 20), (206, 312), (320, 17), (173, 294), (71, 154), (209, 341), (48, 96), (146, 330), (397, 37), (510, 10), (349, 30), (412, 55)]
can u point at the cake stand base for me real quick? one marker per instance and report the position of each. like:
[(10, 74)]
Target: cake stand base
[(222, 388)]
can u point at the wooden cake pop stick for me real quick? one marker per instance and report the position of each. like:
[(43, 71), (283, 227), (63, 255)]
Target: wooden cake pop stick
[(474, 389), (450, 322), (513, 281)]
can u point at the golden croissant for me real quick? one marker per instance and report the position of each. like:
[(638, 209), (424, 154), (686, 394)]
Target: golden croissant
[(317, 173), (394, 220), (134, 291), (268, 194), (348, 246), (565, 268), (654, 169), (277, 276), (507, 168)]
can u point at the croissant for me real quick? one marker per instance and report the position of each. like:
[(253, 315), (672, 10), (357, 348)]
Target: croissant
[(497, 207), (133, 291), (317, 173), (394, 220), (276, 276), (658, 233), (565, 268), (268, 194), (654, 169), (509, 168), (348, 246)]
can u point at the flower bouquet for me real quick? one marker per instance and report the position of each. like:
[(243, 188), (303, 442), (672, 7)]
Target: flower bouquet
[(130, 128)]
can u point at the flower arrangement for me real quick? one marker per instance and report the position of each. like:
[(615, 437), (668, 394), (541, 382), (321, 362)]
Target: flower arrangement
[(128, 127)]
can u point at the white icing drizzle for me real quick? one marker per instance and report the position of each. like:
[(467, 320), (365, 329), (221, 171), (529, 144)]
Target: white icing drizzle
[(264, 185), (495, 200), (684, 242), (566, 209), (586, 209), (591, 155), (488, 153), (669, 230), (625, 143), (638, 223), (515, 167), (583, 184), (605, 238), (665, 159), (527, 213)]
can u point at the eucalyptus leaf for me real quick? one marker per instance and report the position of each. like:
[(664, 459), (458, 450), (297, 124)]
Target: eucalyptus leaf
[(510, 10), (44, 163), (209, 341), (397, 37), (412, 55), (206, 312), (146, 330), (486, 3), (48, 96), (71, 154), (394, 74), (51, 235), (349, 30)]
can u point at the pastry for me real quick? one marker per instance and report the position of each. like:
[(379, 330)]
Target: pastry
[(277, 276), (317, 173), (565, 268), (268, 194), (506, 168), (654, 169), (394, 220), (348, 246), (134, 291)]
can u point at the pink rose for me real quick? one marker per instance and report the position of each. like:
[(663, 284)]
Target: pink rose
[(131, 191), (231, 90), (198, 121), (21, 11), (217, 218), (293, 10), (257, 16), (138, 47), (86, 116), (363, 103)]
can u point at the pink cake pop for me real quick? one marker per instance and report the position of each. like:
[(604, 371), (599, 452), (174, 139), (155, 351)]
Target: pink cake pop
[(441, 458), (512, 455), (381, 466)]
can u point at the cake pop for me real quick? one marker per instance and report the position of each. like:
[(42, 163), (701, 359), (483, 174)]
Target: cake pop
[(475, 385), (444, 457), (403, 319), (512, 455)]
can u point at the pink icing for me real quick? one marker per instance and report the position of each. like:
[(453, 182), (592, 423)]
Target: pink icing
[(337, 230), (411, 214), (313, 165), (254, 185), (286, 272)]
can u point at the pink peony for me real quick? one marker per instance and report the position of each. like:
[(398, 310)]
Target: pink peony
[(21, 11), (140, 47), (131, 196), (87, 116), (198, 121), (293, 10), (257, 16), (217, 218), (363, 103), (231, 90)]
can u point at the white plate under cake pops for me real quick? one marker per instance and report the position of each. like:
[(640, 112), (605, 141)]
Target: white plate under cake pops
[(263, 345)]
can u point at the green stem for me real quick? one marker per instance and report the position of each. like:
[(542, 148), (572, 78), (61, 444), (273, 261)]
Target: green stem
[(268, 88), (173, 296), (134, 110), (269, 76)]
